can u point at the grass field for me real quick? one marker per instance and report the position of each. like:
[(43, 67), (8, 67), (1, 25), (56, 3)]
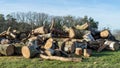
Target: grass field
[(105, 59)]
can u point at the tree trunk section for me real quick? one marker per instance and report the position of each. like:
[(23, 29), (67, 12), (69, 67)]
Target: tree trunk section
[(29, 51), (6, 49), (60, 58)]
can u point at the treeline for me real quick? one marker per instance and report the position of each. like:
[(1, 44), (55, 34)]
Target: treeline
[(27, 21)]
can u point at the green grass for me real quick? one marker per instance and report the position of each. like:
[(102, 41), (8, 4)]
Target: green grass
[(105, 59)]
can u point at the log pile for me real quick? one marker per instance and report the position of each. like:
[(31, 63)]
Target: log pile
[(57, 44)]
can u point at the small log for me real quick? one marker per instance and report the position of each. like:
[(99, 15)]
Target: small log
[(49, 43), (111, 45), (61, 58), (68, 46), (105, 33), (88, 37), (29, 51), (7, 49), (40, 30), (73, 33), (78, 51), (82, 27), (49, 52), (18, 48), (32, 38), (87, 53), (3, 33)]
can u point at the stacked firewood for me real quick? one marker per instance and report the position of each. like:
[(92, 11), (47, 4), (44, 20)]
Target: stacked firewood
[(57, 44)]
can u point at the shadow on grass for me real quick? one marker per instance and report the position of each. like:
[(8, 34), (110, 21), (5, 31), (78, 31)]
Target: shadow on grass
[(100, 54), (103, 53)]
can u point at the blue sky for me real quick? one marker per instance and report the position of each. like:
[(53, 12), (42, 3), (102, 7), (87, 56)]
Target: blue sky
[(107, 12)]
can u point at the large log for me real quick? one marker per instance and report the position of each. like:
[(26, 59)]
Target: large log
[(61, 58), (6, 49), (29, 51), (40, 30), (82, 27), (73, 33), (111, 45)]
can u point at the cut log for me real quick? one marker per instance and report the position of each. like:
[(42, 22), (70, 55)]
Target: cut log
[(49, 43), (101, 48), (29, 51), (82, 45), (78, 51), (73, 33), (49, 52), (18, 48), (40, 30), (7, 49), (68, 46), (87, 53), (61, 58), (82, 27), (105, 33), (111, 45)]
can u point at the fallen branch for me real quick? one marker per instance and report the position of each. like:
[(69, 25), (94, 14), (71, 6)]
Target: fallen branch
[(60, 58)]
